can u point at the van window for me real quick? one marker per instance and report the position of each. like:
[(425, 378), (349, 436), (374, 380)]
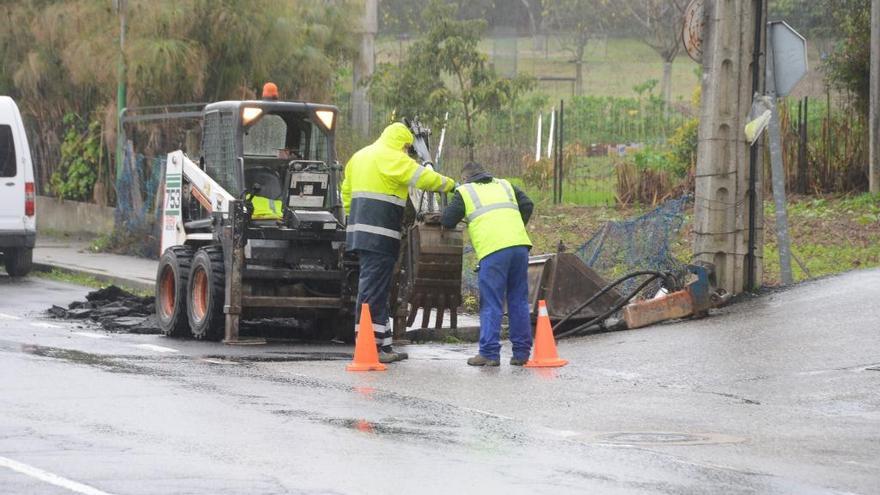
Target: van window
[(7, 153)]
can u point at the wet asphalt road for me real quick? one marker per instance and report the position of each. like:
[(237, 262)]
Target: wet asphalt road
[(775, 395)]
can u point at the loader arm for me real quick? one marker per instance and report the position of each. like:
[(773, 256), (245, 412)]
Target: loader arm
[(204, 189)]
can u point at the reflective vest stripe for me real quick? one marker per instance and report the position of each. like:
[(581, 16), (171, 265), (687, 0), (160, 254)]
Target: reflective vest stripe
[(487, 209), (473, 194), (479, 209), (508, 188), (415, 178), (443, 184), (378, 212), (388, 198), (372, 229)]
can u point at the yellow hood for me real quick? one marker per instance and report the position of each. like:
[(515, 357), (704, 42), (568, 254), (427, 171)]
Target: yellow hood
[(395, 136)]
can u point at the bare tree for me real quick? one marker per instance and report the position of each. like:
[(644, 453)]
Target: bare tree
[(660, 24), (579, 21)]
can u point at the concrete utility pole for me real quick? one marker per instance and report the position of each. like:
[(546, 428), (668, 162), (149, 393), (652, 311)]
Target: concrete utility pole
[(874, 104), (721, 209), (364, 67)]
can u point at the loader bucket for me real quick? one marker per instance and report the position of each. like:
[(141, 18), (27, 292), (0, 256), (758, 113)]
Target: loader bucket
[(430, 276), (565, 282)]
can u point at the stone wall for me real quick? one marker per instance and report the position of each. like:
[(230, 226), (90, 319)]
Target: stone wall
[(72, 217)]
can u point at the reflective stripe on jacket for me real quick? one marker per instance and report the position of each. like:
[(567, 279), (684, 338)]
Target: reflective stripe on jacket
[(266, 209), (375, 189), (494, 220)]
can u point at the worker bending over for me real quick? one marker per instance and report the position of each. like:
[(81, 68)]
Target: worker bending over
[(496, 213), (374, 194)]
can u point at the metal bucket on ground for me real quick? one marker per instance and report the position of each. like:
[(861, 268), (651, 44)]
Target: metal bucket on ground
[(565, 282)]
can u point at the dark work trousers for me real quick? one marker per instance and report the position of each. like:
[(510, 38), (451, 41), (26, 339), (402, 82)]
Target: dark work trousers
[(374, 283), (505, 272)]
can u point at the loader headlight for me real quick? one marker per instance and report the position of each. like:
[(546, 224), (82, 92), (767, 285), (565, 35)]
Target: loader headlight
[(249, 114), (326, 117)]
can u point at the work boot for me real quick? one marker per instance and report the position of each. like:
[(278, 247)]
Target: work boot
[(388, 357), (480, 360), (400, 354), (514, 361)]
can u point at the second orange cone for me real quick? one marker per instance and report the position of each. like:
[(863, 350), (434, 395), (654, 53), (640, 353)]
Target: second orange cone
[(366, 356), (544, 355)]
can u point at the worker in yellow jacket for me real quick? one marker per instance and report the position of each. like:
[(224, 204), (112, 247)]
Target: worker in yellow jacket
[(497, 214), (374, 194)]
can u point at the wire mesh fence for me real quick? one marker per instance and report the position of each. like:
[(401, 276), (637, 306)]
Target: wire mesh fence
[(521, 143), (620, 247)]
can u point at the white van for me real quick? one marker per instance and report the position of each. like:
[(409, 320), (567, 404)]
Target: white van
[(17, 195)]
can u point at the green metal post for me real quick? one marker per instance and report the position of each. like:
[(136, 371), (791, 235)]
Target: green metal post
[(120, 88)]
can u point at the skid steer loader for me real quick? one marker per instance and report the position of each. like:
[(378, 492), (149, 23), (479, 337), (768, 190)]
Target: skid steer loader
[(255, 229)]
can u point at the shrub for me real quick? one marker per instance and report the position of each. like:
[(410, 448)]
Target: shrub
[(75, 176)]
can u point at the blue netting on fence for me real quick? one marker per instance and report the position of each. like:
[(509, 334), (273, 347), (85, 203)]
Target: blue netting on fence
[(643, 243), (137, 204), (625, 246)]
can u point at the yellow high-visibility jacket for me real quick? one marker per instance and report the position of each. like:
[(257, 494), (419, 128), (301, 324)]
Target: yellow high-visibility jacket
[(376, 187), (494, 219), (266, 209)]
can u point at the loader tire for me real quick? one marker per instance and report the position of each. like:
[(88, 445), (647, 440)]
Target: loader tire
[(171, 282), (336, 328), (19, 261), (206, 294)]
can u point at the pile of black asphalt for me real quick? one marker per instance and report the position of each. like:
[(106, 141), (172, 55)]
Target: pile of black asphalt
[(115, 309), (118, 310)]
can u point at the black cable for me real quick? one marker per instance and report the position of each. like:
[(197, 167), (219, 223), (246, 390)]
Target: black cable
[(665, 276), (623, 301)]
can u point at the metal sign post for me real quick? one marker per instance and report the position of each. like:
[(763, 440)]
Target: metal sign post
[(786, 65)]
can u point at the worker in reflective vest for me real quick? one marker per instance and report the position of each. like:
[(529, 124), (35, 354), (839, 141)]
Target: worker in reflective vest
[(374, 194), (266, 208), (496, 213)]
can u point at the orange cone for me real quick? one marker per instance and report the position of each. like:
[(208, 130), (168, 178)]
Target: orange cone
[(366, 356), (544, 355)]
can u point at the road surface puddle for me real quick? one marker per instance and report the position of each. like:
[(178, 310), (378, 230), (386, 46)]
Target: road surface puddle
[(385, 428), (103, 362), (285, 357), (658, 438)]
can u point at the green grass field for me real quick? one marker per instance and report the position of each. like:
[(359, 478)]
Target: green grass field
[(591, 183), (611, 67)]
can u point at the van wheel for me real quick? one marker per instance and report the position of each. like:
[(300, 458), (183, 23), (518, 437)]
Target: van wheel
[(171, 282), (207, 294), (19, 261)]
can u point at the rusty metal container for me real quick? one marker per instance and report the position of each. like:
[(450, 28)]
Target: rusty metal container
[(565, 282), (671, 306)]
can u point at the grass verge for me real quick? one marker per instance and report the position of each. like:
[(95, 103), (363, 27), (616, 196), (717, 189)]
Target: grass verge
[(84, 280)]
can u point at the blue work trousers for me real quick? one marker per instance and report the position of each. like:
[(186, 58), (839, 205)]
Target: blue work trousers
[(505, 273), (374, 284)]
